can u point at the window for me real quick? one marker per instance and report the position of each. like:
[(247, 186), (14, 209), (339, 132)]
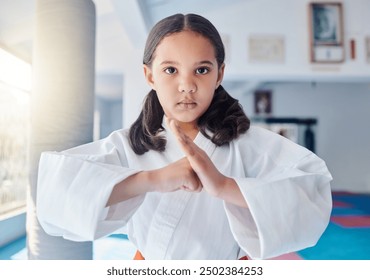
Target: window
[(15, 77)]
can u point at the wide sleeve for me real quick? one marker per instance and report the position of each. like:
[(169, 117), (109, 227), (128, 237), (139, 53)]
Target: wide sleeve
[(74, 187), (289, 202)]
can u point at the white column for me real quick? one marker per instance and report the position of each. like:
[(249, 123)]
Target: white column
[(62, 103)]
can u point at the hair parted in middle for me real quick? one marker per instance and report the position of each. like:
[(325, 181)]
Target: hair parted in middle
[(224, 118)]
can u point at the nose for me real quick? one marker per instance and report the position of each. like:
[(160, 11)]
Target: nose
[(187, 84)]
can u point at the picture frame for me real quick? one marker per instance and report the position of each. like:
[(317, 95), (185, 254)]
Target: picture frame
[(288, 130), (266, 49), (326, 32), (263, 102), (367, 49)]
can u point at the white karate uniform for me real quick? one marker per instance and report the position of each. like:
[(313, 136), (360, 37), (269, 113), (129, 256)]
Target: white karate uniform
[(286, 187)]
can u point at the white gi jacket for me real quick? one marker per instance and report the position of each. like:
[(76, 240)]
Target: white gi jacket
[(285, 186)]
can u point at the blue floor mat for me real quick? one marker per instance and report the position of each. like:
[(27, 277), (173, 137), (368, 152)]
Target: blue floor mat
[(337, 242)]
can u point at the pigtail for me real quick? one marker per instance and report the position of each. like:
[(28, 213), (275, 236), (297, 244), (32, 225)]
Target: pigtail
[(225, 118), (144, 132)]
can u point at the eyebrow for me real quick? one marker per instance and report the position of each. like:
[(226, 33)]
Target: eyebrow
[(166, 62)]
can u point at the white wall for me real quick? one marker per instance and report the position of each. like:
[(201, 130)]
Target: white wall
[(342, 109), (110, 115), (289, 19), (285, 18), (342, 132)]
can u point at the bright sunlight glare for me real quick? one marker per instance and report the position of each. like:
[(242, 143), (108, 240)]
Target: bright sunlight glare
[(14, 71)]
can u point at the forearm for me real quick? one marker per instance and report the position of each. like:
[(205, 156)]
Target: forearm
[(175, 176), (134, 185), (231, 193)]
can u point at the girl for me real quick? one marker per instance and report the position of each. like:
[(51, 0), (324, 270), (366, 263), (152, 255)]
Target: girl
[(190, 179)]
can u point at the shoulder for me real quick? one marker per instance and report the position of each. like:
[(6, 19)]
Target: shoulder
[(259, 141), (118, 138), (119, 133), (259, 136)]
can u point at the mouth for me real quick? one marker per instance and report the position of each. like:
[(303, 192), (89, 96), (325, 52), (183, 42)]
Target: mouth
[(187, 104)]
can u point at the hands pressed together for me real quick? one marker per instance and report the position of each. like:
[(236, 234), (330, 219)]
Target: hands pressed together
[(192, 173)]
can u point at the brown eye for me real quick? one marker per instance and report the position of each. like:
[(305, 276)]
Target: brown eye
[(202, 70), (170, 70)]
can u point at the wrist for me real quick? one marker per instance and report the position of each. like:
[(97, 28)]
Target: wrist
[(152, 179), (231, 193), (224, 186)]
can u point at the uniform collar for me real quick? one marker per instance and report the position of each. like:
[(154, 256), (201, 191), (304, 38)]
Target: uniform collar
[(200, 140)]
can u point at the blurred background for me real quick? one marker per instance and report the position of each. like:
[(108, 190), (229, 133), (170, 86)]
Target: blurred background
[(71, 72)]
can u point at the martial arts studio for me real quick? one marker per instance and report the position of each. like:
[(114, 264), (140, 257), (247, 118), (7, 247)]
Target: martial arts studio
[(71, 73)]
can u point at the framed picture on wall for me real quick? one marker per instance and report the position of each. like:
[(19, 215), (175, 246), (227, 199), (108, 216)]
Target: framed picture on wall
[(263, 102), (266, 49), (288, 130), (326, 32), (367, 49)]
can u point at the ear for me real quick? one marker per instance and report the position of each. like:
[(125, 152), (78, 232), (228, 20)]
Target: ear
[(220, 75), (149, 76)]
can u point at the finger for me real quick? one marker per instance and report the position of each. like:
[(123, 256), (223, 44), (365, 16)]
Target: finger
[(187, 145), (196, 190), (193, 186), (180, 135)]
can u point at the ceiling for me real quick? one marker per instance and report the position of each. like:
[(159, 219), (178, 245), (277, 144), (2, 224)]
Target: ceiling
[(121, 26)]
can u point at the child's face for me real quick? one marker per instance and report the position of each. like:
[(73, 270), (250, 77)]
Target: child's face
[(185, 74)]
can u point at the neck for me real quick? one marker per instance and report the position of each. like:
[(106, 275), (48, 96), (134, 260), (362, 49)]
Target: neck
[(190, 129)]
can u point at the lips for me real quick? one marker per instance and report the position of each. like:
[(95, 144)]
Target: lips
[(187, 101), (187, 104)]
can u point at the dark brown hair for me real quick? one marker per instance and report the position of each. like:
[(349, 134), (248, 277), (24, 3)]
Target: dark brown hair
[(224, 118)]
